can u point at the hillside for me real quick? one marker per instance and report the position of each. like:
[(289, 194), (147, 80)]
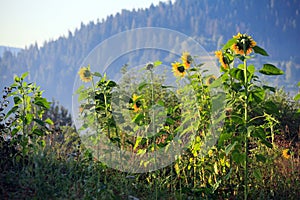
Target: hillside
[(9, 49), (273, 24)]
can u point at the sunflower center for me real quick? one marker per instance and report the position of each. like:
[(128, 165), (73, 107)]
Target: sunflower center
[(244, 40), (180, 69), (87, 73), (138, 103)]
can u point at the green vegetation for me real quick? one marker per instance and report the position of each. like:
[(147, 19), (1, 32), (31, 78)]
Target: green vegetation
[(255, 157)]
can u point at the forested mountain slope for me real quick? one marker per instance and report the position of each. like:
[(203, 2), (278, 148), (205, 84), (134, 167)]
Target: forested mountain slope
[(273, 24)]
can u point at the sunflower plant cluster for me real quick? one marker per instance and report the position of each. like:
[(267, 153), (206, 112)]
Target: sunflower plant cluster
[(248, 128), (150, 93), (246, 142)]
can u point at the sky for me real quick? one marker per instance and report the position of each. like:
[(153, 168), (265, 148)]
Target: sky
[(24, 22)]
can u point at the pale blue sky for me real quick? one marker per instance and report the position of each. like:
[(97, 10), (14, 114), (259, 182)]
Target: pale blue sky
[(24, 22)]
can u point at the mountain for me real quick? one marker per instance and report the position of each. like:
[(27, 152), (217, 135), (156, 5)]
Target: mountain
[(13, 50), (275, 26)]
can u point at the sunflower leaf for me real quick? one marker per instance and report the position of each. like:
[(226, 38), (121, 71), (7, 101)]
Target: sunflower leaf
[(229, 43), (157, 63), (269, 69), (97, 74), (260, 51), (297, 97)]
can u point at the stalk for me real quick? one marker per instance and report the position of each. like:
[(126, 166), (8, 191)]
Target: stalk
[(247, 132), (153, 127)]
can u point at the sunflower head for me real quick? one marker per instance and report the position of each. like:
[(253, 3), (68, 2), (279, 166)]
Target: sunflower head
[(136, 103), (286, 153), (186, 59), (85, 74), (243, 45), (223, 59), (210, 79), (179, 69)]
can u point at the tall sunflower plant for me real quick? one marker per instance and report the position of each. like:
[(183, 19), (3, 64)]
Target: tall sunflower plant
[(243, 127)]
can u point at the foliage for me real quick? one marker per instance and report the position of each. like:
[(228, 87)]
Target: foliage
[(22, 126), (47, 157)]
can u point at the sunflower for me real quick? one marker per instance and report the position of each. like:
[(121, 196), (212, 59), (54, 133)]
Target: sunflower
[(222, 59), (179, 69), (210, 79), (186, 59), (243, 45), (136, 103), (85, 74), (286, 153), (81, 109)]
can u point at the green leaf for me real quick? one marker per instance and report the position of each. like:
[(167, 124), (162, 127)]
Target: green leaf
[(260, 51), (142, 85), (157, 63), (251, 69), (28, 118), (238, 157), (82, 96), (271, 107), (297, 97), (258, 95), (12, 110), (40, 122), (17, 100), (260, 158), (269, 69), (229, 148), (138, 118), (216, 83), (223, 138), (24, 75), (97, 74), (16, 79), (267, 143), (269, 88), (49, 121), (40, 101), (257, 174), (14, 131), (237, 74), (229, 43), (38, 132), (259, 133), (111, 84)]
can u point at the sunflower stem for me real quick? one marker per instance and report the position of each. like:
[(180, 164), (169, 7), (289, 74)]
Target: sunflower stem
[(246, 127)]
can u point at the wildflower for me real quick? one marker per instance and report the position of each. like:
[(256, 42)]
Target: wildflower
[(136, 103), (210, 79), (210, 153), (224, 61), (179, 69), (186, 59), (286, 153), (243, 45), (81, 109), (85, 74)]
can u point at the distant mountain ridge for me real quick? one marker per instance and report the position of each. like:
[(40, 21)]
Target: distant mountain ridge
[(13, 50), (275, 25)]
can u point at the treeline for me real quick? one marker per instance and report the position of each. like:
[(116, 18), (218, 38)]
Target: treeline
[(274, 24)]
